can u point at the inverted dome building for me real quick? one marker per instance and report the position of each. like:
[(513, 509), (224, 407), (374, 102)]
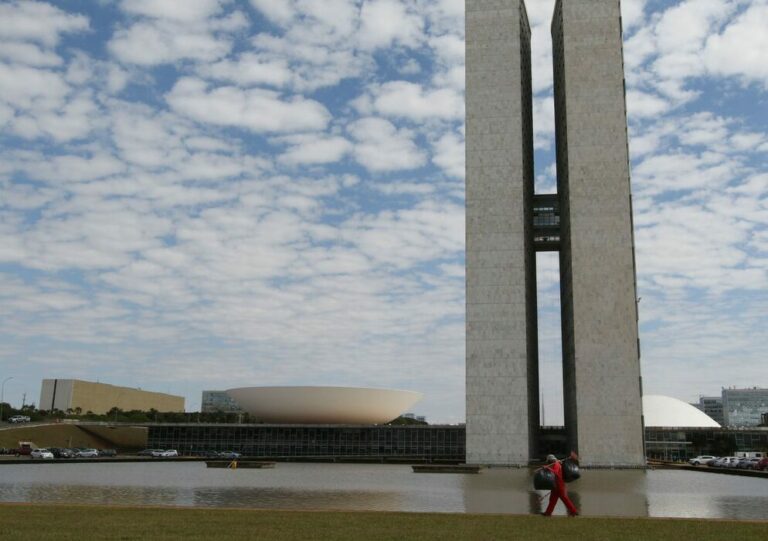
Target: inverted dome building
[(323, 405), (666, 412)]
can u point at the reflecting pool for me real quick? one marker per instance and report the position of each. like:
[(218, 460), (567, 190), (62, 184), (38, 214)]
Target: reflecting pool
[(380, 487)]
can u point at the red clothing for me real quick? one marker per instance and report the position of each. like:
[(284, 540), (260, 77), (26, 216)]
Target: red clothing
[(559, 492), (557, 469)]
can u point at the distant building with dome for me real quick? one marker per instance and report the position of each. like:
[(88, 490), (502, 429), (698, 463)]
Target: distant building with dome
[(666, 412)]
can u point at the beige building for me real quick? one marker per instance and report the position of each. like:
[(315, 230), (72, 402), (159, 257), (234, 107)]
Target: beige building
[(65, 394)]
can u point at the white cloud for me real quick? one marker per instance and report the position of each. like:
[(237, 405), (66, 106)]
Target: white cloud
[(449, 154), (683, 28), (543, 122), (167, 31), (44, 104), (277, 12), (405, 188), (153, 43), (29, 54), (428, 231), (670, 173), (188, 11), (25, 87), (189, 233), (412, 101), (314, 66), (695, 247), (72, 168), (740, 48), (638, 48), (248, 70), (314, 149), (632, 13), (381, 146), (256, 109), (448, 48), (384, 22), (642, 104), (37, 21)]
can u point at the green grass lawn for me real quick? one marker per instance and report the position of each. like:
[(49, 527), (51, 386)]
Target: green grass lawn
[(36, 522)]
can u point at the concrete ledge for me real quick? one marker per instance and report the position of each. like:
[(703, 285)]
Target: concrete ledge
[(726, 471)]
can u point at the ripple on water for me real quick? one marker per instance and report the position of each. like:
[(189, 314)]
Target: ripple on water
[(380, 487)]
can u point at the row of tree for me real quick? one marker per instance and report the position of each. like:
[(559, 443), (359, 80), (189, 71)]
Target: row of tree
[(116, 415)]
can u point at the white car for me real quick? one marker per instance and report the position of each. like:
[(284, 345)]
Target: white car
[(701, 459), (19, 419), (41, 453), (88, 453), (165, 453)]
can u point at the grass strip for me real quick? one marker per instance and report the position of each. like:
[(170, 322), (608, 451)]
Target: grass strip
[(40, 522)]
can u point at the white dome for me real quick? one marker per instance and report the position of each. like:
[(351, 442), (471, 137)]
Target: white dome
[(665, 411), (323, 405)]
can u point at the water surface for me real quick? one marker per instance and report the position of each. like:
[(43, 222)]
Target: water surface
[(382, 487)]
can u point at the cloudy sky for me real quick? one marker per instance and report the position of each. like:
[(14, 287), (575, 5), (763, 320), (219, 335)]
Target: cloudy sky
[(217, 193)]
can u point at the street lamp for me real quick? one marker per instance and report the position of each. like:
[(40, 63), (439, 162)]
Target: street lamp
[(2, 396)]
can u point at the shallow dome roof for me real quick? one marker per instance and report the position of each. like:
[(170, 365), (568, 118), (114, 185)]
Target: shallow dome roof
[(323, 405), (665, 411)]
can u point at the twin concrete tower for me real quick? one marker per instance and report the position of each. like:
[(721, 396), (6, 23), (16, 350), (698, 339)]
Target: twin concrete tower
[(589, 221)]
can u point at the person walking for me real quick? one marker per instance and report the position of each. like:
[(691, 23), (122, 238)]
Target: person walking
[(559, 492)]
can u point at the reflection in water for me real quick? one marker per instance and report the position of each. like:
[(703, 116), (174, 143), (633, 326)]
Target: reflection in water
[(281, 498), (611, 493), (498, 490), (82, 494), (384, 488)]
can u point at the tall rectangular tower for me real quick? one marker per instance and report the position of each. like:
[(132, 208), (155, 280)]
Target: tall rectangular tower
[(502, 364), (602, 385), (589, 221)]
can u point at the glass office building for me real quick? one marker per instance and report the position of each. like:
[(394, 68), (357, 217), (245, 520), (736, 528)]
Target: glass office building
[(218, 401), (712, 406), (744, 407)]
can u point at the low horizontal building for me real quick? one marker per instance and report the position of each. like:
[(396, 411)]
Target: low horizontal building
[(85, 396), (681, 443), (417, 442), (297, 442)]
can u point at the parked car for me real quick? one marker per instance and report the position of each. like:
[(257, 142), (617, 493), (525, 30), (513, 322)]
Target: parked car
[(64, 453), (19, 419), (747, 463), (229, 454), (701, 459), (206, 454), (25, 448), (165, 452), (107, 452), (41, 453), (148, 452), (88, 453), (762, 465), (726, 462)]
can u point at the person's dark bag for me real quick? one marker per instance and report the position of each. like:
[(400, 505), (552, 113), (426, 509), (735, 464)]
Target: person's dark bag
[(570, 471), (544, 479)]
